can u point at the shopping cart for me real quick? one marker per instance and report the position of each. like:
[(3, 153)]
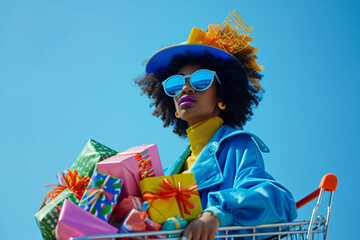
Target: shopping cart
[(316, 228)]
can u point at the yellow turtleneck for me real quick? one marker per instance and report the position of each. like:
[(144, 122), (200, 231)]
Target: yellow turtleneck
[(199, 135)]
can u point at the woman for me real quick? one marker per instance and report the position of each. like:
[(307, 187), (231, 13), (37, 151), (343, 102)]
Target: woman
[(207, 89)]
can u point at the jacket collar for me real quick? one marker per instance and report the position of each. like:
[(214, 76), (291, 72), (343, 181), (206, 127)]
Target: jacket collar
[(206, 168)]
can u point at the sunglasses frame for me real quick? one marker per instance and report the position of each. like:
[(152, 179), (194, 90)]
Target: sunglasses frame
[(184, 77)]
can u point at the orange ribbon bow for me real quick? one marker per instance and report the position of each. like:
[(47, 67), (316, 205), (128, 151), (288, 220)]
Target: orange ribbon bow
[(169, 192), (72, 181)]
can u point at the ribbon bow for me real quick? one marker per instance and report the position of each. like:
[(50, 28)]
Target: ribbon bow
[(169, 192), (72, 181), (97, 192)]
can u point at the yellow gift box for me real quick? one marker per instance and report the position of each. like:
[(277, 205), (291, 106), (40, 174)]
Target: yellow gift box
[(169, 196)]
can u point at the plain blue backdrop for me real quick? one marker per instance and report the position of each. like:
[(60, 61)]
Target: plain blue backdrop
[(67, 71)]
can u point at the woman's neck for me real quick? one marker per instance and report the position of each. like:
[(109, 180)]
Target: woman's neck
[(200, 133)]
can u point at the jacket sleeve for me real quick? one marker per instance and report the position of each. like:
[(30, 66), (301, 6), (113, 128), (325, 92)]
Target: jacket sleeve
[(255, 197)]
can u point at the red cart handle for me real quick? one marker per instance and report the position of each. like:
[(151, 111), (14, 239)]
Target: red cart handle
[(328, 183)]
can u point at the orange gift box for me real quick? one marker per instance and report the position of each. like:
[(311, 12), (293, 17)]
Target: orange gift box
[(169, 196)]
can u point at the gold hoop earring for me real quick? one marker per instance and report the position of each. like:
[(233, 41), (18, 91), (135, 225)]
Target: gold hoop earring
[(222, 105), (177, 115)]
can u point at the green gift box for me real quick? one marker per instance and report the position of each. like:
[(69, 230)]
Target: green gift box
[(47, 217), (92, 153)]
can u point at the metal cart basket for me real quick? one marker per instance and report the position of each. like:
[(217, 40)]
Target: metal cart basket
[(316, 228)]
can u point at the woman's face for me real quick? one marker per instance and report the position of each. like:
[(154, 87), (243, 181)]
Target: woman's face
[(193, 106)]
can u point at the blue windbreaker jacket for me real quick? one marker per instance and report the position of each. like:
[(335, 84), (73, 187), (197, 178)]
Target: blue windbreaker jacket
[(233, 183)]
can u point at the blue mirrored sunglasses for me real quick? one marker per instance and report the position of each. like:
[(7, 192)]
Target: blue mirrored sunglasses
[(200, 80)]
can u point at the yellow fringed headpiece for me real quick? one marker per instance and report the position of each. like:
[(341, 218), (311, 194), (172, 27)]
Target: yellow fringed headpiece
[(232, 36)]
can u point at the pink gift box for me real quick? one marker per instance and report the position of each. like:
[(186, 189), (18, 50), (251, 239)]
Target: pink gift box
[(126, 167), (77, 222)]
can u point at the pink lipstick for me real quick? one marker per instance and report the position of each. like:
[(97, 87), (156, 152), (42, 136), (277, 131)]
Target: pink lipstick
[(186, 100)]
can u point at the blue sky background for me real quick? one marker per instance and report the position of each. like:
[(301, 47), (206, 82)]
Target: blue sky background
[(67, 71)]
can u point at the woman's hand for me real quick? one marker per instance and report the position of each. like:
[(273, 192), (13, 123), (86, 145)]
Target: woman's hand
[(203, 227)]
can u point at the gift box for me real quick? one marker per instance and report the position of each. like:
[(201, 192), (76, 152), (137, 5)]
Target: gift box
[(125, 206), (169, 196), (174, 223), (132, 165), (101, 195), (92, 153), (138, 221), (76, 222), (47, 217)]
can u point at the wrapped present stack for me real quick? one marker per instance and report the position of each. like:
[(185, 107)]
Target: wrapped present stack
[(68, 187), (104, 192)]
